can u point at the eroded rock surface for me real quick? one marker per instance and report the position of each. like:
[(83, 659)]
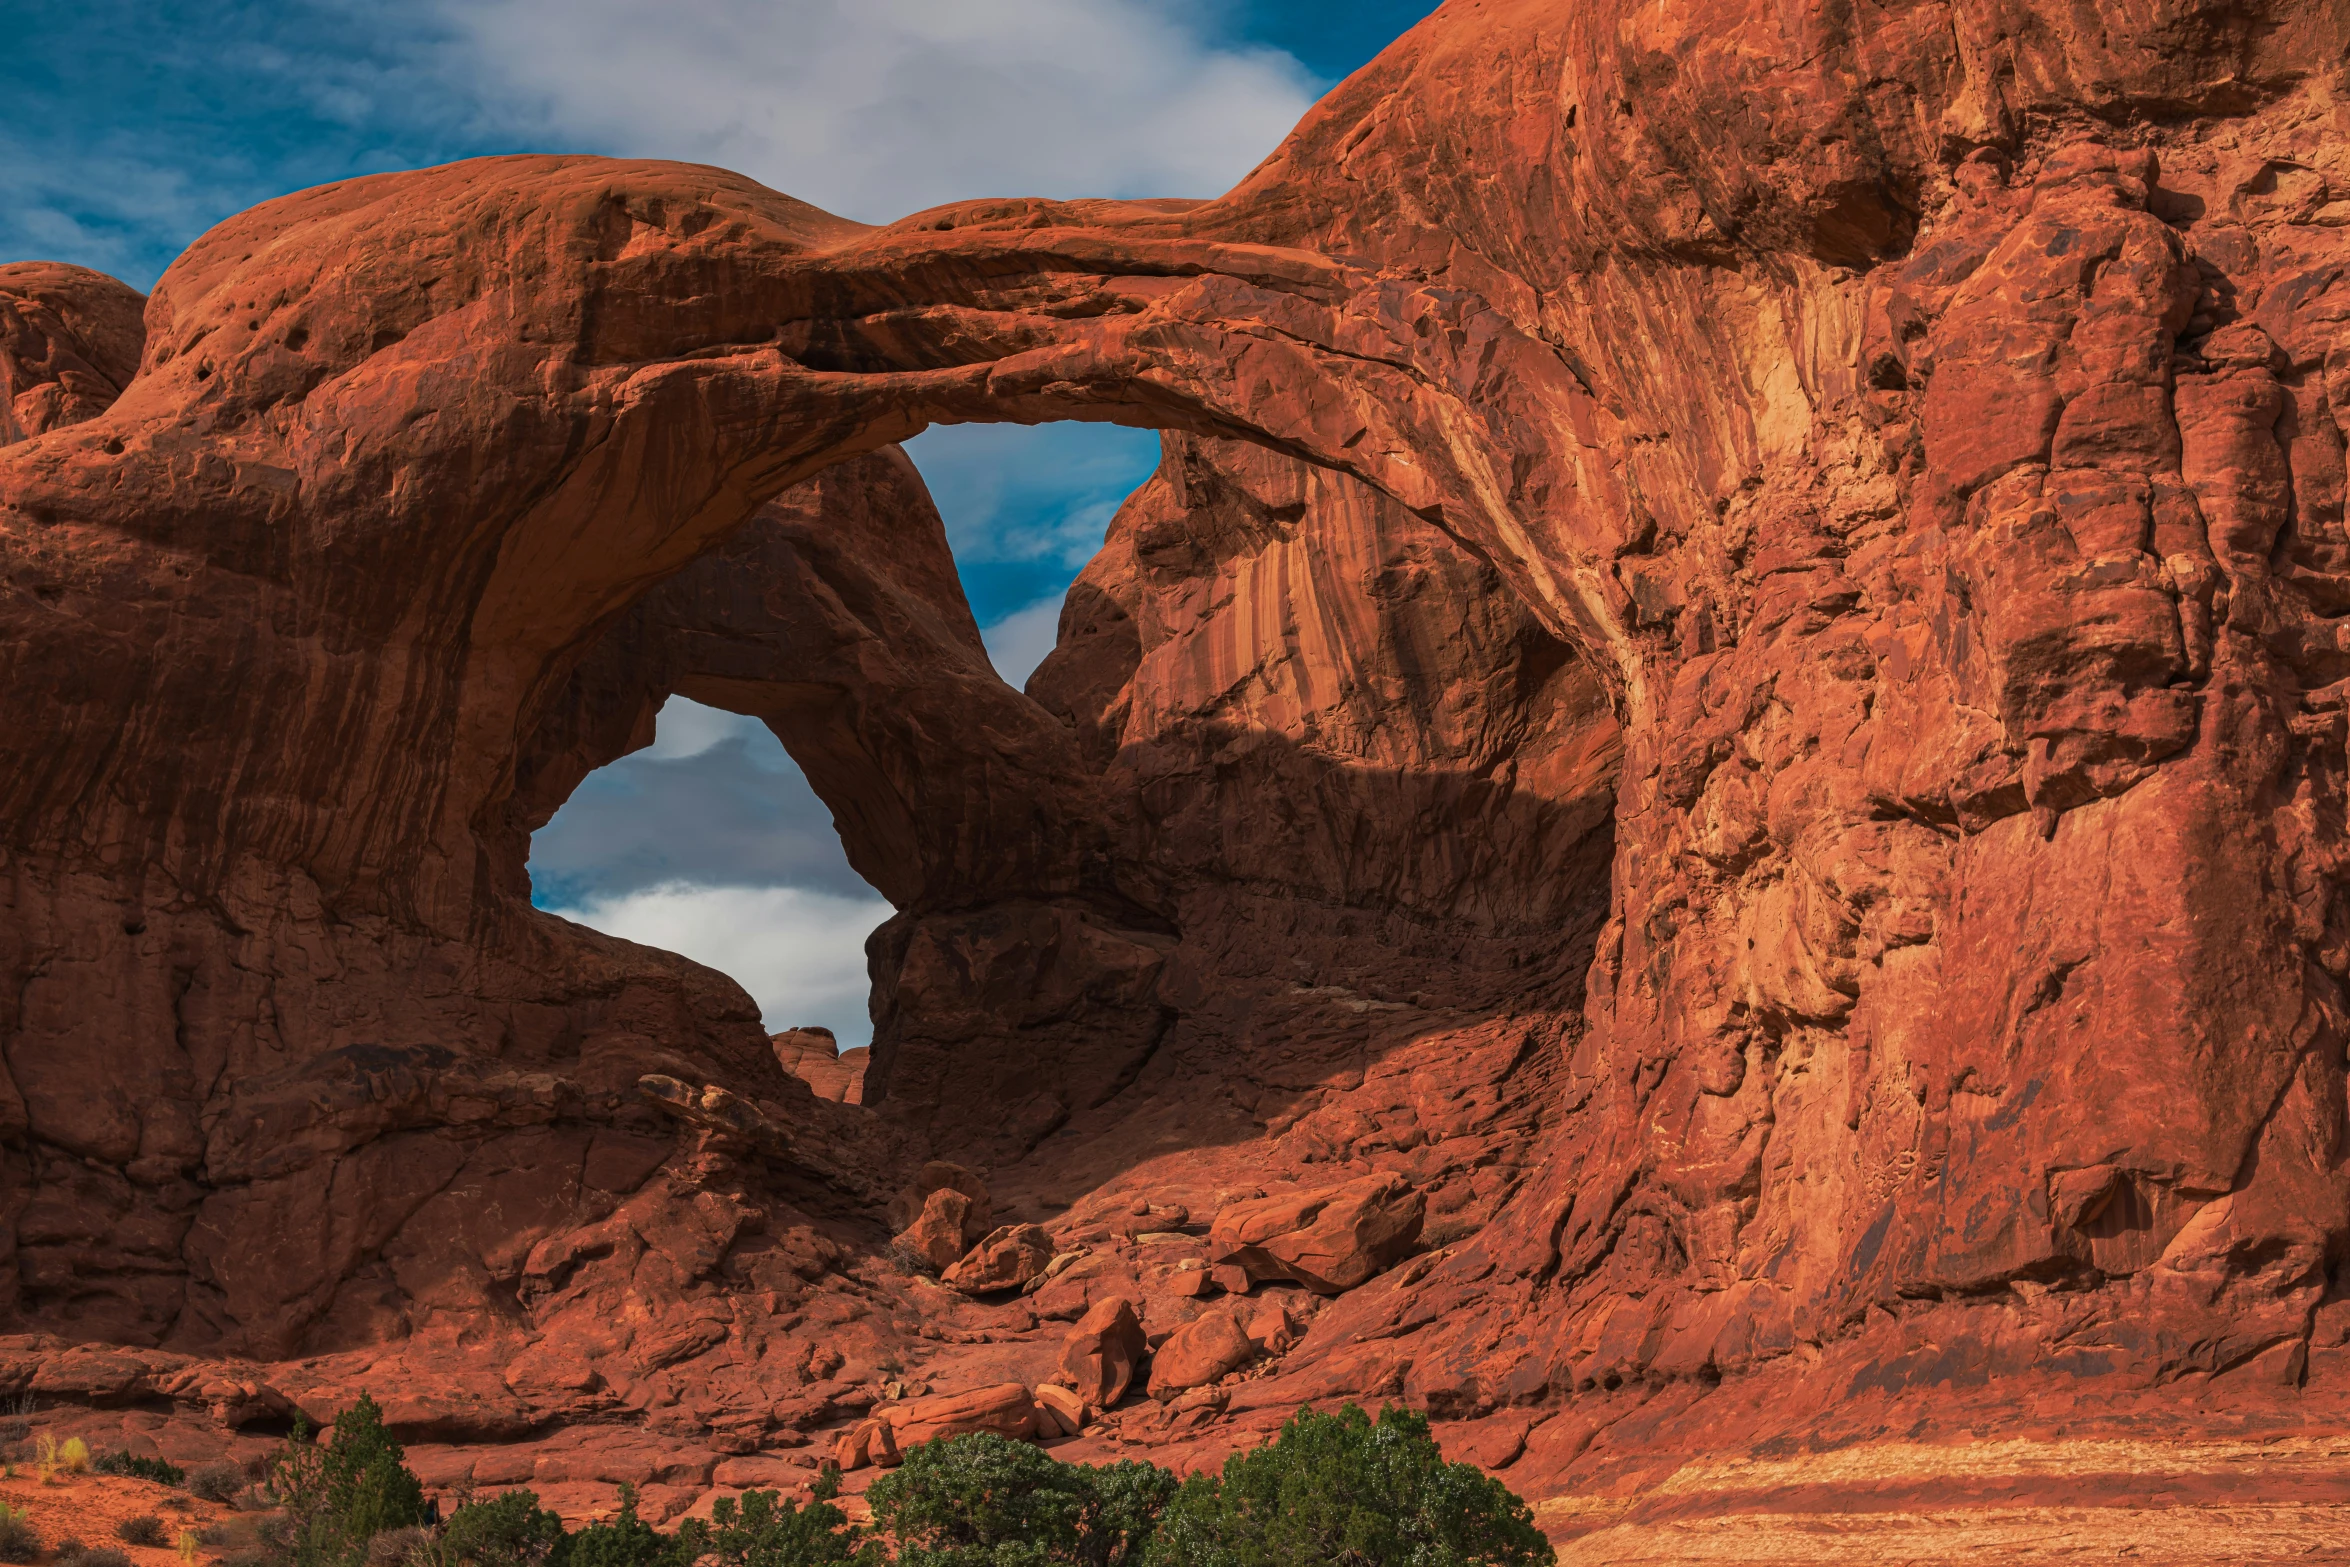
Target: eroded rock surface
[(1733, 670)]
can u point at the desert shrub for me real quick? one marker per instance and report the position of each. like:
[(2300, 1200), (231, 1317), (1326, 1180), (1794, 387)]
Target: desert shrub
[(1341, 1491), (125, 1463), (248, 1538), (19, 1542), (71, 1455), (629, 1541), (91, 1556), (219, 1481), (765, 1531), (394, 1547), (507, 1530), (146, 1529), (985, 1501)]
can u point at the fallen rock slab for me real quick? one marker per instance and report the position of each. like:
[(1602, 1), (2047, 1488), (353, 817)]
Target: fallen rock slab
[(1063, 1409), (1329, 1239), (1007, 1409), (867, 1442)]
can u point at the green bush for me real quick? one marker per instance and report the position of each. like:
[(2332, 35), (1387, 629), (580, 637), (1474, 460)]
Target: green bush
[(765, 1531), (1340, 1491), (122, 1463), (986, 1501), (339, 1497), (629, 1541), (368, 1486), (508, 1530)]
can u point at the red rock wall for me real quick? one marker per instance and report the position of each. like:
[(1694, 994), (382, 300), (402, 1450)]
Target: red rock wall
[(1876, 479)]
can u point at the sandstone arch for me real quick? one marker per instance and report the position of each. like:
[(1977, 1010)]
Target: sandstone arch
[(1925, 428)]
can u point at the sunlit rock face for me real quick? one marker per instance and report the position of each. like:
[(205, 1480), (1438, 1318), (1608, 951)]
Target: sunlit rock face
[(1731, 672)]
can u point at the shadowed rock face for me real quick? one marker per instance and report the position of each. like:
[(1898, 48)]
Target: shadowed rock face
[(1732, 667)]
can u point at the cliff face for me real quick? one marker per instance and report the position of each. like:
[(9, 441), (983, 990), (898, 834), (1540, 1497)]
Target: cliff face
[(1733, 666)]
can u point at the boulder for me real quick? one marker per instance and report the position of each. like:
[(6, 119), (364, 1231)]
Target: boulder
[(942, 1233), (713, 1108), (1101, 1354), (755, 1472), (1329, 1239), (1191, 1284), (907, 1205), (1007, 1409), (1199, 1406), (1005, 1260), (867, 1442), (1063, 1299), (1270, 1327), (1148, 1218), (1062, 1408), (1198, 1353)]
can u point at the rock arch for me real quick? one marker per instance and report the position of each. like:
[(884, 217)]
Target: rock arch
[(1941, 482)]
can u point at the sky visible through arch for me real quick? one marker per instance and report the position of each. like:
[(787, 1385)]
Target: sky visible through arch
[(134, 125)]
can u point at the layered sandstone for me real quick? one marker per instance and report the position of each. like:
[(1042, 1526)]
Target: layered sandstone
[(1733, 670)]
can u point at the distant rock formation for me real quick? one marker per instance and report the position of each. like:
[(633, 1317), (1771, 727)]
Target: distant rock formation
[(814, 1056)]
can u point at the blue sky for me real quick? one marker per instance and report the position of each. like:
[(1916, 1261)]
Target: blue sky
[(134, 125)]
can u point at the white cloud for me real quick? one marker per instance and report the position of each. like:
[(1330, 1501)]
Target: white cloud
[(877, 108), (725, 806), (1018, 643), (800, 954), (688, 729), (1069, 539)]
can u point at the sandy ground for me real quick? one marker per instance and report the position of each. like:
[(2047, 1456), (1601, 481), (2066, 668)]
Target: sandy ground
[(88, 1507)]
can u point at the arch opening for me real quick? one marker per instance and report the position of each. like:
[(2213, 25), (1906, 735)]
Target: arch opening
[(709, 840), (710, 843)]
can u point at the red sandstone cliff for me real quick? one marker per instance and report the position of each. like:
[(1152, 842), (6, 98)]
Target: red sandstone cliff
[(1733, 667)]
